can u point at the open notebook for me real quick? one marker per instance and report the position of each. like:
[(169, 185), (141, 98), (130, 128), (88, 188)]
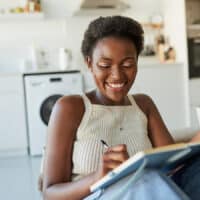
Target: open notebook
[(163, 158)]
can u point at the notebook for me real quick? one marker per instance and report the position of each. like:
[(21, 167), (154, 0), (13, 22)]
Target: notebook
[(163, 158)]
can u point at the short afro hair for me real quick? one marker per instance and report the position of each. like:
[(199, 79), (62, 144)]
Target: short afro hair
[(117, 26)]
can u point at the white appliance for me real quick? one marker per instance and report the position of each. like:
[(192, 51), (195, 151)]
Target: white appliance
[(96, 7), (42, 90)]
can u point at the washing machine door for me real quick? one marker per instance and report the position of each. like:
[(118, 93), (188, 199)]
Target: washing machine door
[(47, 106)]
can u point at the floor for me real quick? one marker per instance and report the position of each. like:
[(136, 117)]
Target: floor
[(18, 178)]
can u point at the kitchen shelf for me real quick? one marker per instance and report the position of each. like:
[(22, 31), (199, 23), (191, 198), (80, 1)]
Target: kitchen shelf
[(21, 16), (153, 25)]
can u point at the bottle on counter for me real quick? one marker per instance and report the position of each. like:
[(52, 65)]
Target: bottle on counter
[(160, 47), (65, 58), (170, 55), (38, 6)]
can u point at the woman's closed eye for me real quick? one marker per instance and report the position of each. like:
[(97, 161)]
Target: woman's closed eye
[(128, 64), (104, 65)]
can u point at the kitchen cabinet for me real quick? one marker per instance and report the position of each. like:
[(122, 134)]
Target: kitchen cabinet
[(167, 86), (13, 138)]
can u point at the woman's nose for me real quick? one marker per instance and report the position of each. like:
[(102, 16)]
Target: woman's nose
[(116, 73)]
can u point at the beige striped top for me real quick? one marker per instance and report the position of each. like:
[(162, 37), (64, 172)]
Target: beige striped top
[(115, 125)]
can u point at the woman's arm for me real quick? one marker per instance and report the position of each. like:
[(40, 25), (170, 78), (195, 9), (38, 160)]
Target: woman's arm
[(65, 119), (63, 124), (196, 137), (158, 132)]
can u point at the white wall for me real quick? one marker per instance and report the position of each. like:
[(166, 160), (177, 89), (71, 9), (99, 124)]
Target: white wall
[(142, 10), (23, 34), (175, 28), (18, 36)]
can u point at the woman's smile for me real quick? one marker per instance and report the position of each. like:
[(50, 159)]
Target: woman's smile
[(116, 87)]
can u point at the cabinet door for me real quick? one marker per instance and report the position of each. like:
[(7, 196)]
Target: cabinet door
[(12, 115), (166, 85)]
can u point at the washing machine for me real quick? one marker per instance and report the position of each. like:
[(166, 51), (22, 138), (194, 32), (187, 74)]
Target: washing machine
[(41, 91)]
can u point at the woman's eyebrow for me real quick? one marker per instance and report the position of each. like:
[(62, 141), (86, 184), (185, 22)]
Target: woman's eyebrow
[(105, 58), (129, 58)]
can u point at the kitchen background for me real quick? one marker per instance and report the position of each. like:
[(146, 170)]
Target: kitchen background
[(42, 39)]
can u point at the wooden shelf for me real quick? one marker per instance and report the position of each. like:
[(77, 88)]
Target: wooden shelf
[(22, 16), (153, 25)]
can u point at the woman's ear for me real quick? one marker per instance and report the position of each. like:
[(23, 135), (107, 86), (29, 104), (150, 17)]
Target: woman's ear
[(88, 61)]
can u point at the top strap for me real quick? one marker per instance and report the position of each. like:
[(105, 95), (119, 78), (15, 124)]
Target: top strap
[(86, 101), (132, 100)]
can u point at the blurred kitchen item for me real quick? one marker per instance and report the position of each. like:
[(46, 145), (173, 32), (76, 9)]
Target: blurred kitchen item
[(148, 50), (65, 58), (165, 51), (170, 55), (156, 20), (160, 47), (39, 57), (33, 6)]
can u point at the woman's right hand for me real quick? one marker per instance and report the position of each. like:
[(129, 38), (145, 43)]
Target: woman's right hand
[(112, 158)]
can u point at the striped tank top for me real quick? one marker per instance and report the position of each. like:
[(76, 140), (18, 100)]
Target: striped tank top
[(113, 124)]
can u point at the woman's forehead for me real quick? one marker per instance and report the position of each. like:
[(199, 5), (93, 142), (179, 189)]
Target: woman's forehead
[(112, 46)]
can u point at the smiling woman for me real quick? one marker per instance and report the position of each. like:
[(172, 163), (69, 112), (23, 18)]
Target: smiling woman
[(75, 158)]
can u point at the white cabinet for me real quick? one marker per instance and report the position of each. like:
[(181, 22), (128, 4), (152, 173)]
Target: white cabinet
[(12, 115), (167, 86)]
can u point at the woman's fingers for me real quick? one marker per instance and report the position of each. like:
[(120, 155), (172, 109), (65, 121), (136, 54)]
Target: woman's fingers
[(111, 164), (118, 148), (119, 156)]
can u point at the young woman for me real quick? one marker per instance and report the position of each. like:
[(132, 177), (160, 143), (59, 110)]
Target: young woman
[(75, 158)]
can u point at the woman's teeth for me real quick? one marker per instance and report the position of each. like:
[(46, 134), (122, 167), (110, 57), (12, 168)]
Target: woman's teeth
[(116, 85)]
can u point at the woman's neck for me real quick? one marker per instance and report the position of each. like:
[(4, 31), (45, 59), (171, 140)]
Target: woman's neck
[(99, 98)]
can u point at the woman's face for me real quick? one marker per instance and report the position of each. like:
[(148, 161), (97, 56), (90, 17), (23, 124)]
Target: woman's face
[(114, 68)]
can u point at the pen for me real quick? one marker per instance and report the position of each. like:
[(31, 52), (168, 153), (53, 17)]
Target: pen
[(104, 144)]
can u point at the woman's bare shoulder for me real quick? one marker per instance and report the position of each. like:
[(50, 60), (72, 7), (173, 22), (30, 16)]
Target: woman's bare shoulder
[(68, 109), (144, 102), (71, 102)]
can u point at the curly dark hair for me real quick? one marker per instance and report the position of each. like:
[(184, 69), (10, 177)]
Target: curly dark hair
[(117, 26)]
